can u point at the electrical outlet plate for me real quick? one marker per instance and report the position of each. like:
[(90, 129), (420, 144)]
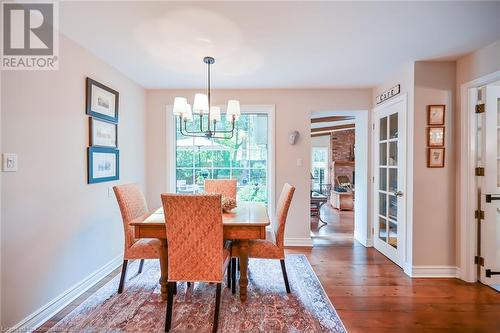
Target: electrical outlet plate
[(9, 162)]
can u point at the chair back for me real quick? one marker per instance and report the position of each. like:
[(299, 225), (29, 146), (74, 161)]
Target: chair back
[(194, 237), (132, 205), (281, 213), (225, 187)]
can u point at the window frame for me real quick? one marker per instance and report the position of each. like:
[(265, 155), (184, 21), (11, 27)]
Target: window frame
[(269, 110)]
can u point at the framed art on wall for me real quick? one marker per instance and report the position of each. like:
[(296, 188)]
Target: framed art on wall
[(103, 133), (435, 157), (101, 101), (435, 136), (103, 164), (435, 114)]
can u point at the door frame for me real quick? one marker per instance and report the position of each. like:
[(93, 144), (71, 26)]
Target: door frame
[(363, 199), (406, 263), (467, 196)]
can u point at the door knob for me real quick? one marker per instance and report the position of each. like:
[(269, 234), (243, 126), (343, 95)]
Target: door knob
[(398, 193)]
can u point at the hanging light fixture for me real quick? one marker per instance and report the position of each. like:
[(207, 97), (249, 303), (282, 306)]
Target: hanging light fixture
[(210, 116)]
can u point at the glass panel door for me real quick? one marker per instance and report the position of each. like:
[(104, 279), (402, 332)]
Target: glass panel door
[(388, 181)]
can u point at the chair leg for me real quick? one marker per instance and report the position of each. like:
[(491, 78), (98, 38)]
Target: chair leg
[(189, 284), (140, 266), (175, 287), (122, 278), (229, 272), (170, 303), (217, 308), (233, 275), (285, 276)]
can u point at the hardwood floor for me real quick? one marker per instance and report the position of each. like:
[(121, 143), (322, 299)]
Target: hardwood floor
[(372, 294)]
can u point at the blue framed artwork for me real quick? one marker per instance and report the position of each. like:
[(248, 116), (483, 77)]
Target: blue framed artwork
[(101, 101), (103, 164)]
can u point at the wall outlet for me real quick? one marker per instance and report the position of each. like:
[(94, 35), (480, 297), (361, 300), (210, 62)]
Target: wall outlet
[(110, 192), (299, 162), (9, 162)]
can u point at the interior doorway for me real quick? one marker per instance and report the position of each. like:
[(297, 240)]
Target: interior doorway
[(339, 178)]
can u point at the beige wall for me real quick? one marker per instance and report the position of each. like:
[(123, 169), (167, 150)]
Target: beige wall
[(56, 230), (293, 112), (434, 189)]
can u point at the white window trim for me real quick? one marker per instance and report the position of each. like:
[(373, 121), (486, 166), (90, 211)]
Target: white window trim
[(269, 110)]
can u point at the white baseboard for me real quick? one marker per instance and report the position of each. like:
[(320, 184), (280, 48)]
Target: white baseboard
[(46, 312), (306, 242), (434, 272)]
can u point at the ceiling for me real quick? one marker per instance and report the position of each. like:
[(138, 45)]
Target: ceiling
[(276, 44)]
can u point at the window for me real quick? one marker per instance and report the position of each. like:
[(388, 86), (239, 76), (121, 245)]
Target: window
[(244, 157), (319, 167)]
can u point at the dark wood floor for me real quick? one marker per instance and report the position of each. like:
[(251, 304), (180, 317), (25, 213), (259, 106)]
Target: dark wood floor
[(372, 294)]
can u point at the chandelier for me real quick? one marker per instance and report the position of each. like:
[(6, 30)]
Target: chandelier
[(210, 116)]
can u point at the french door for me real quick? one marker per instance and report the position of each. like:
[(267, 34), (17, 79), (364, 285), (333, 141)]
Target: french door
[(489, 185), (389, 179)]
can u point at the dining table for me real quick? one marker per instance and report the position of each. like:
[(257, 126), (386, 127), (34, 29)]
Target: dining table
[(248, 221)]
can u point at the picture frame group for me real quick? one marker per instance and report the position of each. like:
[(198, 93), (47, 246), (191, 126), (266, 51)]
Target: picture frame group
[(436, 136), (103, 155)]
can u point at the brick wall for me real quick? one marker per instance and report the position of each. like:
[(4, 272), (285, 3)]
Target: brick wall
[(342, 143)]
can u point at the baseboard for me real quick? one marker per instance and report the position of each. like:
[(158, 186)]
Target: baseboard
[(46, 312), (434, 272), (304, 242)]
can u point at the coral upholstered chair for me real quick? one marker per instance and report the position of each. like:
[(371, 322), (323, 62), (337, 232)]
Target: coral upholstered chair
[(273, 246), (196, 249), (225, 187), (132, 206)]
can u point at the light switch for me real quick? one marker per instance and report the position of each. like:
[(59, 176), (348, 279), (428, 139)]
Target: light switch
[(9, 162), (299, 162)]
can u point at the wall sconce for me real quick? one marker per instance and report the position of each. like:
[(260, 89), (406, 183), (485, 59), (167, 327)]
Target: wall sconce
[(293, 137)]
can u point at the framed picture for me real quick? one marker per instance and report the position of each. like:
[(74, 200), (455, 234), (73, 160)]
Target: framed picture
[(103, 164), (103, 133), (101, 101), (435, 157), (435, 136), (435, 114)]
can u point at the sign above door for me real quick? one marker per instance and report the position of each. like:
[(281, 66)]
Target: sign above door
[(388, 94)]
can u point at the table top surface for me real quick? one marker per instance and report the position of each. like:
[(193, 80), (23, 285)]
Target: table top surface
[(249, 214)]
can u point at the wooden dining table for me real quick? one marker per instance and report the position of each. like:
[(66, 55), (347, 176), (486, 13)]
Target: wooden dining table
[(246, 222)]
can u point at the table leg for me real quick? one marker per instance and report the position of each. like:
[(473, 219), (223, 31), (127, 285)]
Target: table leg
[(319, 214), (243, 269), (163, 268)]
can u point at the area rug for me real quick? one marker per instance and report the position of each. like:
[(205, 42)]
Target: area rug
[(268, 308)]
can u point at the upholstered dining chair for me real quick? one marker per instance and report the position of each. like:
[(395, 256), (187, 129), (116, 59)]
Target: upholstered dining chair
[(196, 249), (273, 246), (225, 187), (132, 206)]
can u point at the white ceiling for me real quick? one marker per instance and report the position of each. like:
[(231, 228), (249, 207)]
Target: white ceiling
[(276, 44)]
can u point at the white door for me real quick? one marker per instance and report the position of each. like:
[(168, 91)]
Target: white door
[(389, 179), (490, 189)]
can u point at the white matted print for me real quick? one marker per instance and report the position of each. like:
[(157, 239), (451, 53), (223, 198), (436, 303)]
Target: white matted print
[(435, 157), (101, 101), (103, 133), (103, 164)]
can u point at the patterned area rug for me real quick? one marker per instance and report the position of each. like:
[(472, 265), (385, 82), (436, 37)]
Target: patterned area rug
[(268, 308)]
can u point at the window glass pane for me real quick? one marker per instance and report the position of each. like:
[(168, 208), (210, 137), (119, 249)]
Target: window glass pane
[(393, 180), (203, 158), (184, 158), (393, 207), (220, 173), (383, 154), (393, 126), (382, 229), (393, 153), (383, 128), (393, 234), (383, 179), (382, 210), (221, 158)]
